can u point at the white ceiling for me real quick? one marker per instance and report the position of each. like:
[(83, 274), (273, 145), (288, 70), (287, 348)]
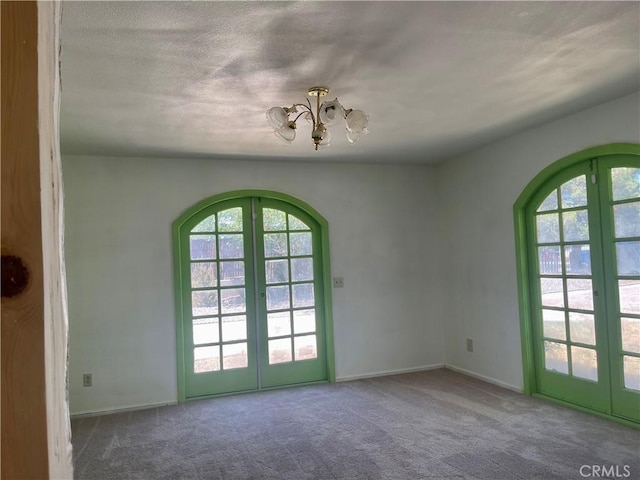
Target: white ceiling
[(192, 79)]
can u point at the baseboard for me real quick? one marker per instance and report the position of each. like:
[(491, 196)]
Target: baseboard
[(492, 380), (131, 408), (390, 372)]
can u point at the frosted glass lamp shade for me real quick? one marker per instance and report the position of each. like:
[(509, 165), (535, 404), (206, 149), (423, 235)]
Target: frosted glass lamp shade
[(326, 139), (287, 133), (357, 121), (278, 117), (331, 112)]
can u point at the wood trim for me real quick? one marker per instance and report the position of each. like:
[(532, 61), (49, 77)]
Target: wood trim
[(24, 421)]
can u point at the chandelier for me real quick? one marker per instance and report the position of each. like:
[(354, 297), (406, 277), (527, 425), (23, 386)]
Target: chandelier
[(326, 115)]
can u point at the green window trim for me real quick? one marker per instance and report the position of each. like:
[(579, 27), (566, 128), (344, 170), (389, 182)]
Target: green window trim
[(179, 282)]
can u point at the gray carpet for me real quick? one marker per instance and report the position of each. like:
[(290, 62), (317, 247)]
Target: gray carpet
[(436, 424)]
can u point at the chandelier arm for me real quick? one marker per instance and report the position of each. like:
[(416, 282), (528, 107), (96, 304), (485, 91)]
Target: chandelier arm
[(302, 113)]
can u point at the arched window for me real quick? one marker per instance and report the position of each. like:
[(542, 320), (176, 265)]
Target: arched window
[(253, 302), (578, 239)]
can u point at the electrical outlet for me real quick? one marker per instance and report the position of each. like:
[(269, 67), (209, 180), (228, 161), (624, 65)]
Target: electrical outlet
[(338, 282), (87, 380), (469, 345)]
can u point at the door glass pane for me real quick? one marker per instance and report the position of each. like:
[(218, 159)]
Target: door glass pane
[(553, 324), (280, 351), (555, 357), (305, 347), (577, 260), (626, 218), (304, 321), (628, 258), (234, 328), (625, 183), (203, 274), (206, 225), (303, 295), (202, 247), (231, 246), (231, 273), (277, 271), (300, 243), (582, 328), (549, 260), (302, 269), (297, 224), (278, 298), (273, 219), (233, 300), (629, 293), (575, 226), (584, 363), (548, 228), (230, 220), (632, 372), (234, 356), (204, 302), (205, 330), (549, 203), (574, 192), (630, 330), (275, 245), (278, 324), (552, 292), (206, 359), (580, 293)]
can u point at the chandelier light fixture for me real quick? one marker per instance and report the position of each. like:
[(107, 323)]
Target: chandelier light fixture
[(326, 115)]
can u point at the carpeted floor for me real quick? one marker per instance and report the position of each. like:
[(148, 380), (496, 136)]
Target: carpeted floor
[(435, 424)]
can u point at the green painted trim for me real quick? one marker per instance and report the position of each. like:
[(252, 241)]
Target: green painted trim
[(522, 263), (326, 271)]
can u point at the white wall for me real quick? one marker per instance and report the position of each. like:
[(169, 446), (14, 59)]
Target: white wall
[(120, 275), (476, 193)]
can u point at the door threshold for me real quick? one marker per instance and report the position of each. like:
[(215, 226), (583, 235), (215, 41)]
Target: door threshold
[(256, 390)]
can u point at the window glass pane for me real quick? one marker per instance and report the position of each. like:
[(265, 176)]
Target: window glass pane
[(629, 293), (574, 192), (278, 298), (297, 224), (275, 245), (234, 328), (202, 247), (206, 225), (277, 271), (625, 183), (233, 300), (553, 324), (205, 330), (549, 260), (231, 246), (577, 260), (630, 330), (580, 293), (628, 258), (234, 356), (280, 351), (632, 372), (584, 363), (304, 321), (549, 203), (305, 347), (627, 219), (231, 273), (581, 328), (300, 243), (548, 228), (204, 274), (273, 219), (206, 359), (551, 290), (278, 324), (302, 269), (204, 302), (575, 225), (303, 295), (555, 357), (230, 220)]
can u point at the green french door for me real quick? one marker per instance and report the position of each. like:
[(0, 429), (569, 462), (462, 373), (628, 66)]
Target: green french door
[(584, 237), (251, 292)]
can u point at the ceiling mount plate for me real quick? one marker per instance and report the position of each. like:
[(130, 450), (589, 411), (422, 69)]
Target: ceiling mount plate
[(318, 91)]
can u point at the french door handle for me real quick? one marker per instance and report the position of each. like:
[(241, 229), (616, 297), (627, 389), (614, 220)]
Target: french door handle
[(262, 294)]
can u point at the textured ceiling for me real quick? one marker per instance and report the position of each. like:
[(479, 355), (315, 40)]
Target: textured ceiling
[(191, 79)]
